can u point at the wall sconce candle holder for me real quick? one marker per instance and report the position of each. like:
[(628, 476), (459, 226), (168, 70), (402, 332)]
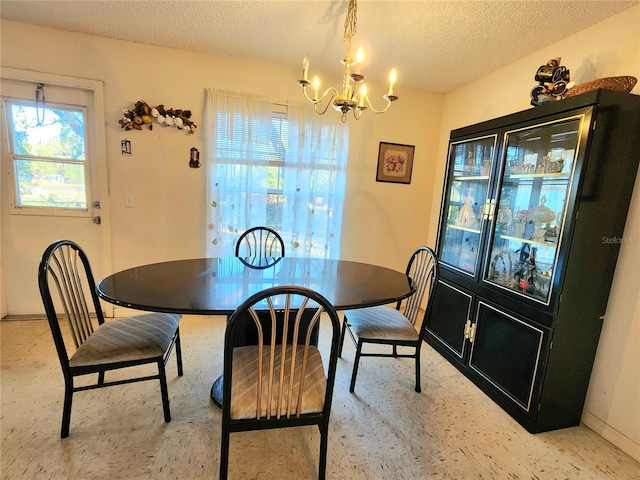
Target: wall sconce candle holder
[(194, 159)]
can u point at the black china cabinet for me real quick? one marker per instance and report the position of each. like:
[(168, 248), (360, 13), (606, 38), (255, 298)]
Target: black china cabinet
[(532, 219)]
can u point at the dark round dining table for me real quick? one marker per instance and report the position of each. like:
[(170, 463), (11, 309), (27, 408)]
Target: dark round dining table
[(217, 286)]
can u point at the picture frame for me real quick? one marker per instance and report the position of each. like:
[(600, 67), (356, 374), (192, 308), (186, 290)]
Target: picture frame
[(395, 163)]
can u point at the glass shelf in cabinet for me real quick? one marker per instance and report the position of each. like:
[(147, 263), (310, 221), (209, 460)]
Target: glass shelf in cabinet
[(538, 175), (466, 229), (532, 242), (472, 178)]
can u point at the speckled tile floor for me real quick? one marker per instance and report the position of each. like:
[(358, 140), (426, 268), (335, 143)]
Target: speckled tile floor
[(385, 431)]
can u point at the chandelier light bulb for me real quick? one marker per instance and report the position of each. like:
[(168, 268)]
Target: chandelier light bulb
[(316, 86)]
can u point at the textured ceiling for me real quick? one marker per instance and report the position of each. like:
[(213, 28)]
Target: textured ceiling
[(435, 45)]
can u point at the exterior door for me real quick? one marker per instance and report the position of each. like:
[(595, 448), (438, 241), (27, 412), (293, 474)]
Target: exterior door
[(50, 194)]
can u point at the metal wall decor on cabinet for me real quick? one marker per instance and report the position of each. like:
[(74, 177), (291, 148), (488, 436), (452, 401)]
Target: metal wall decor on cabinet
[(532, 218)]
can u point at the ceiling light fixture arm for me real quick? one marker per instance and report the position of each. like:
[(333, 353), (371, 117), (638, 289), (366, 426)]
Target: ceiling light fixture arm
[(316, 101), (363, 101)]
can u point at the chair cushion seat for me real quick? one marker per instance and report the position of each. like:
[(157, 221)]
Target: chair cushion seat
[(244, 386), (381, 323), (127, 339)]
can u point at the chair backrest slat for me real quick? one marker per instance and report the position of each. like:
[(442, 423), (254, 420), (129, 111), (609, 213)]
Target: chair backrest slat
[(258, 325), (283, 359), (64, 270), (421, 269), (283, 356), (81, 321), (303, 370)]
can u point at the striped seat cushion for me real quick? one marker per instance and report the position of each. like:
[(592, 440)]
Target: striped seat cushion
[(381, 323), (244, 385), (127, 339)]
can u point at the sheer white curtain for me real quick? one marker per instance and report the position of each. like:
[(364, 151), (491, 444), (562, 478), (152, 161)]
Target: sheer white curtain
[(236, 136), (284, 171), (314, 182)]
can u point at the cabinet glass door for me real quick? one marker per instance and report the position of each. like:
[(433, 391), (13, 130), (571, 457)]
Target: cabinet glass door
[(529, 219), (470, 166)]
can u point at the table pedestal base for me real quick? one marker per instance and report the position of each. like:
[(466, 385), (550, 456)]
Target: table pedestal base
[(216, 392)]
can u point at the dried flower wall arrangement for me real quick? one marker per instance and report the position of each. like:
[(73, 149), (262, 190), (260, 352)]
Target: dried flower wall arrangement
[(144, 115)]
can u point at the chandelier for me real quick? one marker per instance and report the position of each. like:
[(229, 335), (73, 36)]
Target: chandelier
[(347, 100)]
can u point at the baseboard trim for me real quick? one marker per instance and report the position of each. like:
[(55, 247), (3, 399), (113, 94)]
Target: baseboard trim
[(612, 435), (22, 318)]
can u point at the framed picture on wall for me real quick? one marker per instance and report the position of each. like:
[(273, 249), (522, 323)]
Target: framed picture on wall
[(395, 162)]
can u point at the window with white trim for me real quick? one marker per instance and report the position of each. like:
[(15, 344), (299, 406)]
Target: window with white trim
[(48, 155)]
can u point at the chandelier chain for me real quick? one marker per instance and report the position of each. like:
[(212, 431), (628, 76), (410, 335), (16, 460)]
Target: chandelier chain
[(350, 23)]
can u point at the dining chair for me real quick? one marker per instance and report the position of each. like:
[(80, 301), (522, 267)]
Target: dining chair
[(260, 243), (280, 381), (85, 343), (395, 326)]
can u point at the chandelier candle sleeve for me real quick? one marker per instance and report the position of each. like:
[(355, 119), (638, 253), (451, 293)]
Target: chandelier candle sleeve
[(305, 67), (359, 58)]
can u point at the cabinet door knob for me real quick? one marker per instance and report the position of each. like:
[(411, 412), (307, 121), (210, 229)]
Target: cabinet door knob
[(472, 333), (492, 209), (485, 210), (489, 209)]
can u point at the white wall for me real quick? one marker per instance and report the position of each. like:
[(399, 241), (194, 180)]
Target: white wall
[(168, 221), (609, 48)]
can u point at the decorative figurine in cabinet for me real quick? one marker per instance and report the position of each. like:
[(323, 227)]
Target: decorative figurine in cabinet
[(525, 275)]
